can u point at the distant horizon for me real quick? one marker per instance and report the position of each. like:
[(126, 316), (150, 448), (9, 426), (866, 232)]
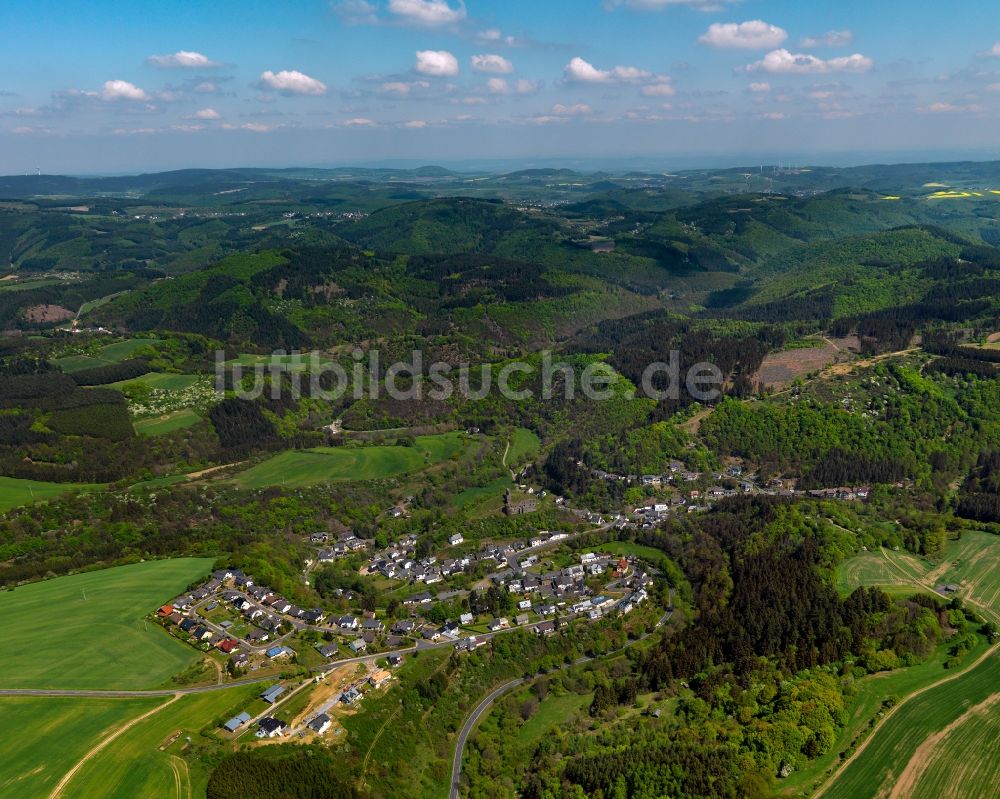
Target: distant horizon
[(97, 88), (649, 164)]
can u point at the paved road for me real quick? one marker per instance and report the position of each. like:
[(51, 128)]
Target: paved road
[(482, 707), (470, 723)]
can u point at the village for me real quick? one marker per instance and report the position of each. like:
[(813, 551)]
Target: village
[(544, 581), (254, 630)]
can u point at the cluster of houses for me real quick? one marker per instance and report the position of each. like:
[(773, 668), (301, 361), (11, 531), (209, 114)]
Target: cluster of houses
[(197, 632), (269, 614), (347, 544), (691, 499), (565, 593), (399, 562), (846, 493), (678, 474)]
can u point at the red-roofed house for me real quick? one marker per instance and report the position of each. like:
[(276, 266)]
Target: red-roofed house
[(165, 611)]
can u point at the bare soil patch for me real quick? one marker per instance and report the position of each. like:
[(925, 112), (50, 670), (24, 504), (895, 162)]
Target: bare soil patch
[(47, 314), (780, 369)]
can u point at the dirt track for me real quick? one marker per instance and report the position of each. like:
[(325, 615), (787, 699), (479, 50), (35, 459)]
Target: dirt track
[(61, 786)]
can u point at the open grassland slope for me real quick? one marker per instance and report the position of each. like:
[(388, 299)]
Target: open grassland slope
[(87, 631)]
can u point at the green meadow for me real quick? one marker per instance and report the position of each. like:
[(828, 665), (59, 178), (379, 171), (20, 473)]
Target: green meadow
[(326, 464), (524, 444), (45, 736), (167, 423), (14, 492), (88, 630), (106, 355), (972, 562), (491, 493), (135, 765), (866, 704), (161, 380), (947, 707)]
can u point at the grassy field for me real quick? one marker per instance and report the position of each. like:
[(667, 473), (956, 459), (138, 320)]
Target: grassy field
[(524, 444), (324, 464), (45, 736), (14, 492), (87, 630), (962, 762), (934, 744), (167, 423), (134, 765), (554, 710), (106, 355), (881, 567), (492, 491), (650, 555), (422, 768), (161, 380), (866, 703), (972, 562), (923, 730)]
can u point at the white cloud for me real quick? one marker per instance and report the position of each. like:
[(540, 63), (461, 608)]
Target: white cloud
[(496, 36), (585, 72), (122, 90), (753, 35), (659, 5), (580, 109), (993, 87), (427, 12), (950, 108), (207, 87), (490, 62), (403, 88), (501, 86), (134, 131), (783, 62), (207, 113), (182, 59), (415, 124), (774, 115), (829, 39), (993, 52), (580, 71), (662, 88), (436, 63), (356, 12), (360, 122), (760, 88), (291, 81)]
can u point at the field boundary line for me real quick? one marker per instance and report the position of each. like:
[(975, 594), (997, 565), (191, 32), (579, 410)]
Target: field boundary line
[(918, 763), (61, 785), (890, 713)]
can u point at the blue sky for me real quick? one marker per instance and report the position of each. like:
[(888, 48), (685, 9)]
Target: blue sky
[(99, 86)]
